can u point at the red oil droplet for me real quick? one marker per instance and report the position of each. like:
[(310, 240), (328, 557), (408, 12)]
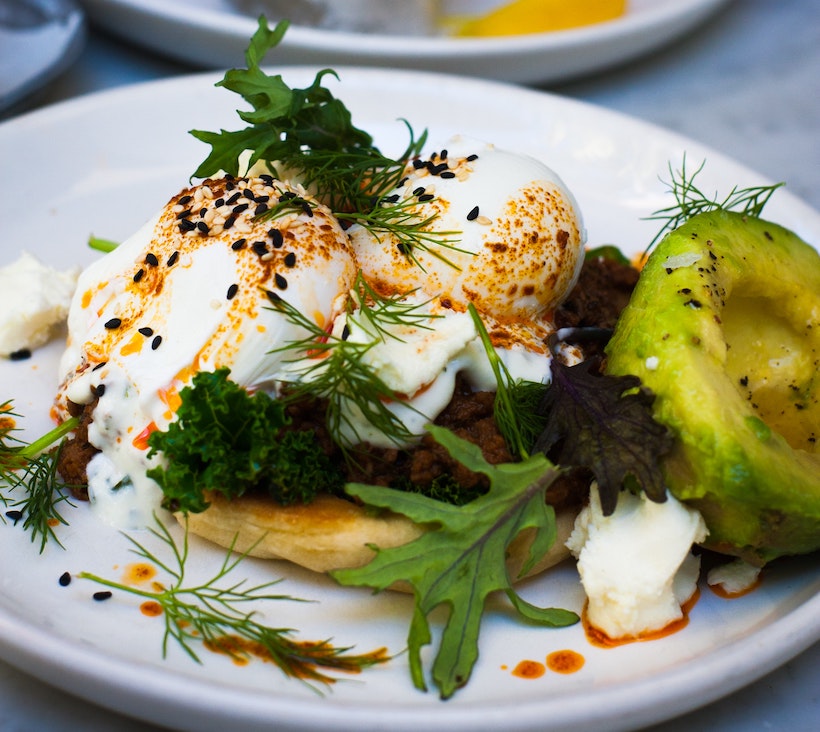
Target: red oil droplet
[(529, 670), (565, 662)]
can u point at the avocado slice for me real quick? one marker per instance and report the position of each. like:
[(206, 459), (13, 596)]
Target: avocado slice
[(724, 328)]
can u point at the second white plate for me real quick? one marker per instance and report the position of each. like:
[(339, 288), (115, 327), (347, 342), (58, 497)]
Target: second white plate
[(213, 34)]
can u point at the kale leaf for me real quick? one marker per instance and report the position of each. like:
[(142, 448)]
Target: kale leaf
[(604, 423), (462, 558), (228, 441)]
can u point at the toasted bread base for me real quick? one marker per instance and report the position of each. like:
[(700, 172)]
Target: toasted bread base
[(331, 533)]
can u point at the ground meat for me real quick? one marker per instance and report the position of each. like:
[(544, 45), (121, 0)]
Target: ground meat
[(469, 415), (76, 452), (602, 291)]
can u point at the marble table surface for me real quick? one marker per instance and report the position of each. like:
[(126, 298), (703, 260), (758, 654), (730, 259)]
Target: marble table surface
[(746, 82)]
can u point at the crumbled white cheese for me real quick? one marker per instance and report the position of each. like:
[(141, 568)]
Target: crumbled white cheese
[(635, 565), (652, 363), (35, 299), (735, 577)]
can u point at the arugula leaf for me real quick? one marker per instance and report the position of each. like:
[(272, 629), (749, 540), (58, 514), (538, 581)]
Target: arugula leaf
[(228, 441), (461, 560), (307, 130), (604, 423)]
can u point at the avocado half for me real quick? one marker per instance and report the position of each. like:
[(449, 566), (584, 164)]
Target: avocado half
[(724, 328)]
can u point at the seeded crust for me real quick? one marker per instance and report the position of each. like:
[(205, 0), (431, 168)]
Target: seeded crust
[(331, 533)]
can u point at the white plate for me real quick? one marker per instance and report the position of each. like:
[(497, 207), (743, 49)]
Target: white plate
[(212, 34), (102, 165)]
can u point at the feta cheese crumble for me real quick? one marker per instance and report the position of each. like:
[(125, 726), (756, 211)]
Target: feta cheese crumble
[(35, 300), (635, 565)]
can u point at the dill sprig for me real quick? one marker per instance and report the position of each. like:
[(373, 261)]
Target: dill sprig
[(32, 468), (377, 314), (516, 401), (400, 219), (210, 614), (691, 200), (334, 371), (353, 178)]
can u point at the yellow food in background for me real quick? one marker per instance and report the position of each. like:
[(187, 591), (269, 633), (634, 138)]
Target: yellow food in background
[(539, 16)]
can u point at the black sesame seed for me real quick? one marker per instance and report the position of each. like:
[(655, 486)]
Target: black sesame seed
[(418, 191), (238, 244), (280, 281), (443, 154), (260, 209), (447, 174), (229, 222), (147, 332), (151, 258), (473, 215), (290, 259), (21, 354), (345, 332), (391, 199), (203, 211), (426, 197), (113, 323), (138, 275), (98, 390), (65, 579), (172, 260), (437, 169), (184, 214), (219, 202), (262, 198), (156, 343), (260, 247), (229, 186), (240, 208), (232, 290), (470, 158), (276, 237), (99, 365), (184, 199), (417, 164), (272, 296), (102, 595), (14, 515), (233, 199), (306, 209), (248, 193), (202, 227), (266, 178), (404, 247), (287, 196), (186, 225)]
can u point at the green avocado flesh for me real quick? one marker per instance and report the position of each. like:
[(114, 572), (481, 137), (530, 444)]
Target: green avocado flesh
[(724, 328)]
